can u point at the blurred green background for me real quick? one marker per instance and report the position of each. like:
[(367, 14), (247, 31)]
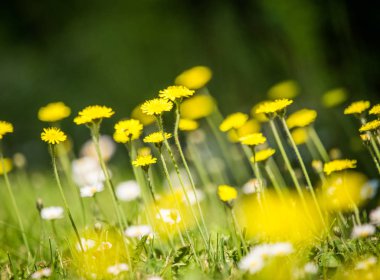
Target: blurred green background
[(117, 53)]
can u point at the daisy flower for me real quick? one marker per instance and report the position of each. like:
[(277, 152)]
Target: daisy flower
[(252, 263), (174, 93), (363, 231), (52, 213), (117, 268), (138, 231), (128, 190), (92, 114), (90, 191), (169, 216), (53, 135), (53, 112), (156, 106), (42, 273)]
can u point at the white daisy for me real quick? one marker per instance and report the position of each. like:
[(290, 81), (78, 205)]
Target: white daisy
[(310, 268), (374, 216), (87, 244), (117, 268), (252, 263), (107, 148), (90, 191), (44, 272), (169, 216), (363, 231), (52, 213), (128, 190), (87, 171), (138, 231), (252, 186)]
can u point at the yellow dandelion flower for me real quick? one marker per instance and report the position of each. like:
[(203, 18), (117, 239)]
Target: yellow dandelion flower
[(261, 117), (53, 135), (334, 97), (144, 161), (338, 165), (357, 107), (53, 112), (197, 107), (143, 118), (156, 137), (5, 127), (127, 130), (300, 136), (273, 107), (235, 121), (375, 110), (251, 126), (365, 137), (301, 118), (7, 164), (253, 139), (176, 93), (93, 114), (156, 106), (195, 77), (227, 193), (369, 126), (144, 151), (285, 89), (187, 125), (263, 155)]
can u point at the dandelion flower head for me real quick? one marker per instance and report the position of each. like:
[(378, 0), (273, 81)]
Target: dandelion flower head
[(227, 193), (334, 97), (375, 110), (339, 165), (197, 107), (263, 155), (301, 118), (174, 93), (144, 161), (300, 136), (253, 139), (127, 130), (369, 126), (5, 127), (250, 126), (285, 89), (156, 106), (233, 121), (53, 135), (5, 165), (187, 125), (53, 112), (195, 77), (157, 137), (273, 107), (357, 107), (92, 114)]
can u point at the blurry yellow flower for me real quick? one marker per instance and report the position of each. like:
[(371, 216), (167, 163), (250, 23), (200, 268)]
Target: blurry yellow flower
[(93, 114), (253, 139), (341, 191), (300, 136), (357, 107), (369, 126), (195, 77), (285, 89), (251, 126), (156, 137), (7, 164), (338, 165), (279, 218), (272, 107), (365, 137), (301, 118), (263, 155), (144, 161), (156, 106), (127, 130), (317, 165), (196, 107), (144, 151), (54, 112), (143, 118), (334, 97), (227, 193), (375, 110), (53, 135), (235, 121), (188, 125), (261, 117), (174, 93), (5, 127)]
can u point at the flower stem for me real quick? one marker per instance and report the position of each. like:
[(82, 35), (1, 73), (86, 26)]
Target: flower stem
[(58, 180), (14, 204), (318, 144), (303, 167)]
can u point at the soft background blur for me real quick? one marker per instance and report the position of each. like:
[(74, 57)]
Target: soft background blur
[(117, 53)]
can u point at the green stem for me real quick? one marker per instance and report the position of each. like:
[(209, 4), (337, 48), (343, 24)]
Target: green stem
[(274, 180), (237, 228), (375, 160), (178, 144), (14, 204), (58, 180), (318, 144)]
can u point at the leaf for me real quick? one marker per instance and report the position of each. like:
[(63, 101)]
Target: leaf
[(139, 248), (181, 252)]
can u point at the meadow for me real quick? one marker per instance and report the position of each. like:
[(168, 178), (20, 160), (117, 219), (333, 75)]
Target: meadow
[(249, 195)]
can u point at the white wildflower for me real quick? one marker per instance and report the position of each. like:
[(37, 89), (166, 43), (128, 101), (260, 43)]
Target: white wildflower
[(52, 213), (128, 190), (363, 231)]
